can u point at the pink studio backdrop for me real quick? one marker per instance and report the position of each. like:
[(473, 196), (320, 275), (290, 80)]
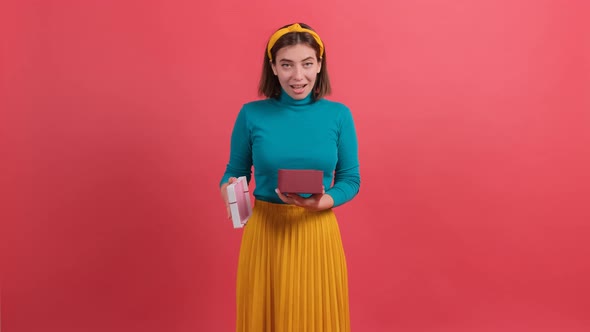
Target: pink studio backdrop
[(474, 130)]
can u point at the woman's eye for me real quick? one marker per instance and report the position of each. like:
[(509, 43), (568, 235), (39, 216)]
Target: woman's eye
[(308, 64), (286, 65)]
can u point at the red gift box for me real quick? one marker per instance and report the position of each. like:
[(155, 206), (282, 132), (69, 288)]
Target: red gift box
[(301, 181)]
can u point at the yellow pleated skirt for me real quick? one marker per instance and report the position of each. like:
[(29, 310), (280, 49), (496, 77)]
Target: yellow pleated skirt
[(291, 272)]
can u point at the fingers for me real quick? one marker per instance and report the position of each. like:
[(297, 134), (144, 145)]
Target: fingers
[(286, 198), (282, 196), (224, 194), (292, 199), (312, 202)]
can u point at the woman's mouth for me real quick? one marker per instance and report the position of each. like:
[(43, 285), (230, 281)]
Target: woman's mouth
[(298, 88)]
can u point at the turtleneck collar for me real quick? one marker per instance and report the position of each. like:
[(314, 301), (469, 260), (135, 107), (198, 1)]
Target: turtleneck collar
[(284, 98)]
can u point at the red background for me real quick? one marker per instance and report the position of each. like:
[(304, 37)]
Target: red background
[(473, 120)]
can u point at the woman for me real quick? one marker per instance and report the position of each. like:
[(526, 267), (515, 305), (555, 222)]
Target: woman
[(292, 270)]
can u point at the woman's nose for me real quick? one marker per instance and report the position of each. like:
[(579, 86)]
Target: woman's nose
[(298, 73)]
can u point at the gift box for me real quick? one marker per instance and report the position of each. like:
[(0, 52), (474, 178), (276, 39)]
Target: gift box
[(238, 197), (301, 181)]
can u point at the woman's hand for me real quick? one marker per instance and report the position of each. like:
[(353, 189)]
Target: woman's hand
[(315, 202), (224, 194)]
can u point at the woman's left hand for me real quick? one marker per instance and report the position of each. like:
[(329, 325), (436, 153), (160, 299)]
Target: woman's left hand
[(315, 202)]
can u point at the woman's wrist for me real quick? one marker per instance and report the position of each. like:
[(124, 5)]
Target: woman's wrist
[(326, 202)]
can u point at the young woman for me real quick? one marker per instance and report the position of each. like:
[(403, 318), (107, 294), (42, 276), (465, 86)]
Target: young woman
[(292, 273)]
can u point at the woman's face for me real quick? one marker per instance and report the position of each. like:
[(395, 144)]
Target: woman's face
[(297, 68)]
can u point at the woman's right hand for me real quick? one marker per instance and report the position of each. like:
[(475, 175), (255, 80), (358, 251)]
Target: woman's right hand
[(224, 194)]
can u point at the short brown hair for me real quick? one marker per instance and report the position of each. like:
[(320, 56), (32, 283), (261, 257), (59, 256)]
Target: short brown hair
[(269, 85)]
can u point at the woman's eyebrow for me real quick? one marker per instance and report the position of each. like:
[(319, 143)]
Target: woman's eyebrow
[(288, 60)]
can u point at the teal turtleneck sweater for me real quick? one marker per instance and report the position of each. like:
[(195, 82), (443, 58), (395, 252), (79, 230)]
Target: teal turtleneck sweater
[(271, 134)]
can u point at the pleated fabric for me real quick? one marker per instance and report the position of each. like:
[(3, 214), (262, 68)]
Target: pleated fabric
[(291, 272)]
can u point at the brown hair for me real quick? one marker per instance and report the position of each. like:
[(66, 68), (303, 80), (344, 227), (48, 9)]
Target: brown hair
[(269, 85)]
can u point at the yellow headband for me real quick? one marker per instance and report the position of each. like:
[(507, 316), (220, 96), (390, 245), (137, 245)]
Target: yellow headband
[(293, 28)]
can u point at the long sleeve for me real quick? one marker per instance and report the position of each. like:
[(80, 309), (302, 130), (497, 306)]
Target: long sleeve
[(347, 175), (284, 133), (240, 159)]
